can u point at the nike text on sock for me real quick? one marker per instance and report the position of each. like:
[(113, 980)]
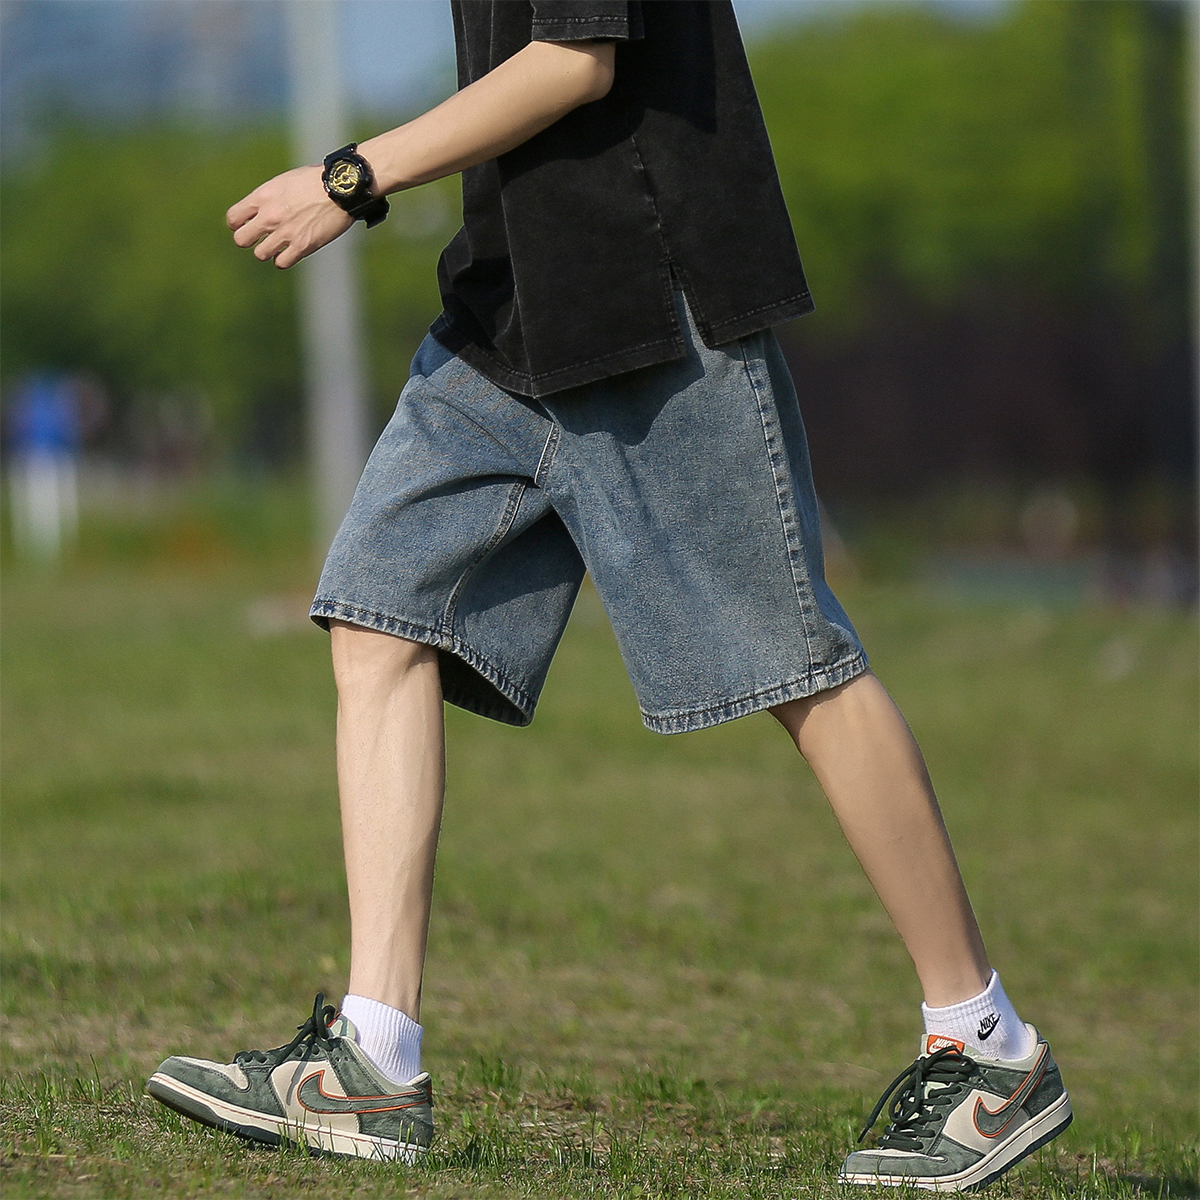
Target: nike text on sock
[(988, 1024), (390, 1038)]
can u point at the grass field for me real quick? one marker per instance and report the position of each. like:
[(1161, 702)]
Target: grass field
[(655, 969)]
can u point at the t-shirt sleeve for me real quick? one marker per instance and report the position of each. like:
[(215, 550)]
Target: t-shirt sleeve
[(583, 20)]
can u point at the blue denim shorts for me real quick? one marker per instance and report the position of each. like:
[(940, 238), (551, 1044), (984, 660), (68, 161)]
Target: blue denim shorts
[(683, 488)]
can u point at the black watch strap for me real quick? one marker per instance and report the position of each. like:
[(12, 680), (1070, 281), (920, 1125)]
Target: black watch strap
[(347, 178)]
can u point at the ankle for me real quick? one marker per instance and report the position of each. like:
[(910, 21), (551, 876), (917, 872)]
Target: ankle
[(391, 1039), (987, 1023)]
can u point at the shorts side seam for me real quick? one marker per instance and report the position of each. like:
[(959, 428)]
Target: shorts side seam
[(440, 639), (509, 515), (693, 719), (787, 519), (547, 456)]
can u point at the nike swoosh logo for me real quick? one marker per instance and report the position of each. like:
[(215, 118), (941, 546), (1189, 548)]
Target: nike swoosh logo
[(993, 1122), (316, 1099)]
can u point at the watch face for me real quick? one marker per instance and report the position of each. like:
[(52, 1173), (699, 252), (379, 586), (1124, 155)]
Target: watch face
[(344, 177)]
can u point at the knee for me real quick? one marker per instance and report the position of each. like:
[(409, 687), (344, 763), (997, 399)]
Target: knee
[(366, 660), (816, 708), (792, 716)]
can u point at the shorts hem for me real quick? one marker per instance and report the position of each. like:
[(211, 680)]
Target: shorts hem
[(520, 707), (693, 719)]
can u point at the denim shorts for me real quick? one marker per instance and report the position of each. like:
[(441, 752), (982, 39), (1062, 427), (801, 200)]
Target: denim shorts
[(683, 488)]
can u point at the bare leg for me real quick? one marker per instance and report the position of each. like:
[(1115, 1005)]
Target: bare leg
[(867, 761), (391, 777)]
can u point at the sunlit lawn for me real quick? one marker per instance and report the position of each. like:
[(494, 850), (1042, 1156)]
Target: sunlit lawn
[(655, 968)]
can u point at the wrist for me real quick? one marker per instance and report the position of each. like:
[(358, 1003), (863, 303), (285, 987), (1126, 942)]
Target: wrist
[(350, 183), (385, 153)]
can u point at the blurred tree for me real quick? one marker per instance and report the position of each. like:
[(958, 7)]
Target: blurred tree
[(994, 221), (117, 261), (932, 153)]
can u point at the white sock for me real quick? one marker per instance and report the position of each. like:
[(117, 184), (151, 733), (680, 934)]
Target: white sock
[(987, 1023), (390, 1038)]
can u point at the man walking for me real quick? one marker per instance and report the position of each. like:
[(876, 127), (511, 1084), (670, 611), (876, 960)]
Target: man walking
[(602, 392)]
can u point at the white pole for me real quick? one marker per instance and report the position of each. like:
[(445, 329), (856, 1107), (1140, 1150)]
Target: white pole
[(44, 503), (329, 307), (1193, 84)]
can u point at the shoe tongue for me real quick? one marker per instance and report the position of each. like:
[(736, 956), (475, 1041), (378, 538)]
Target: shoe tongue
[(343, 1027), (931, 1043)]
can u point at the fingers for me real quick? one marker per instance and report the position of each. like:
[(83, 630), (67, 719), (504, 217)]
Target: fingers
[(270, 246), (249, 233), (284, 251), (289, 256), (265, 232), (241, 212), (287, 218), (254, 216)]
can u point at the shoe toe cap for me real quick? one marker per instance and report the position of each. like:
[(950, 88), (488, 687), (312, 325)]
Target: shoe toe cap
[(226, 1080), (880, 1163)]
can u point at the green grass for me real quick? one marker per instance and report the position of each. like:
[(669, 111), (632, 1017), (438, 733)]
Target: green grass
[(655, 969)]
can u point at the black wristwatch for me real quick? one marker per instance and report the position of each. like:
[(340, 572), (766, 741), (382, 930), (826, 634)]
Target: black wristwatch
[(347, 178)]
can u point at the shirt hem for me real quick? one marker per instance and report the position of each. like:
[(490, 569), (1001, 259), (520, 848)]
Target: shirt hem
[(548, 383), (758, 319), (647, 354)]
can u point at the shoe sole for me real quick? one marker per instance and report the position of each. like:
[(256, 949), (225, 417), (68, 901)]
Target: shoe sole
[(1033, 1135), (274, 1131)]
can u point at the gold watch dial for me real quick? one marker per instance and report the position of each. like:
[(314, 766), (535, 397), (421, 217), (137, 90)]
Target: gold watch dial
[(344, 177)]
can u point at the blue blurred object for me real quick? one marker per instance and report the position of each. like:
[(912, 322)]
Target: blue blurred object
[(44, 436), (45, 417)]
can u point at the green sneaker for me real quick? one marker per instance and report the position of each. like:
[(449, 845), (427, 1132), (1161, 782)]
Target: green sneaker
[(320, 1090), (960, 1119)]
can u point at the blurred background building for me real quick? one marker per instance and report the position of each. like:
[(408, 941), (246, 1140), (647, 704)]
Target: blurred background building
[(993, 201)]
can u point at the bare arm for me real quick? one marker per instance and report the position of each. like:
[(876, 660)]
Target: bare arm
[(290, 216)]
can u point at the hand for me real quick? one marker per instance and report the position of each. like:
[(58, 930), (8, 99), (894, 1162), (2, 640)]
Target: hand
[(287, 218)]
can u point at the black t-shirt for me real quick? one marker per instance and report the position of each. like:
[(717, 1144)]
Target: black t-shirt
[(573, 243)]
